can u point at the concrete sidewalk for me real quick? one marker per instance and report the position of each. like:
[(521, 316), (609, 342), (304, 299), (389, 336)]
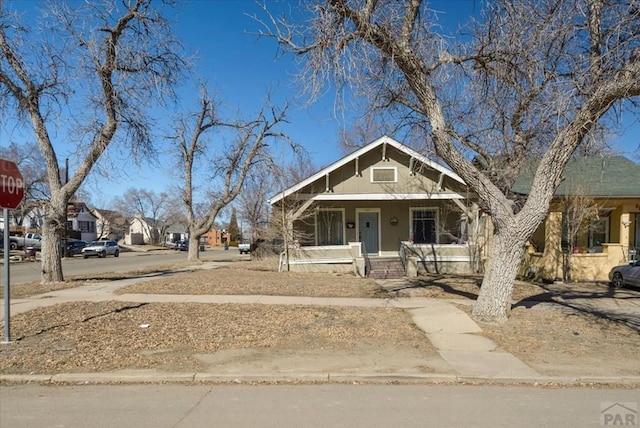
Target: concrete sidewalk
[(466, 356)]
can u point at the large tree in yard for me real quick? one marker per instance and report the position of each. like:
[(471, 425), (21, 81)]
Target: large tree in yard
[(531, 78), (223, 158), (84, 78)]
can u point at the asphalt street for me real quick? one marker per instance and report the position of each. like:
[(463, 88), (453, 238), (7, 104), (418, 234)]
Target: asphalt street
[(128, 261), (324, 405)]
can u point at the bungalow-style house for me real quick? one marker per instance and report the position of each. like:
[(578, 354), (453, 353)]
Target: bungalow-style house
[(384, 210), (110, 224), (593, 222)]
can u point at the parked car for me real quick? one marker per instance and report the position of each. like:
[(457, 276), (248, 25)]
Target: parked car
[(625, 275), (33, 240), (182, 245), (102, 248), (244, 247), (74, 247)]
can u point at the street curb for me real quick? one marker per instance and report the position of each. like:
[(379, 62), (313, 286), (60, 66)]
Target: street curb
[(375, 378)]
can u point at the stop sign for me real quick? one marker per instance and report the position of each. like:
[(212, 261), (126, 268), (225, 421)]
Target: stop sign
[(11, 185)]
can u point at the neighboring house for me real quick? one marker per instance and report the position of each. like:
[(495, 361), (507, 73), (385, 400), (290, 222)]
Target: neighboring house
[(110, 224), (607, 234), (179, 232), (176, 232), (214, 237), (385, 202), (142, 231), (81, 223)]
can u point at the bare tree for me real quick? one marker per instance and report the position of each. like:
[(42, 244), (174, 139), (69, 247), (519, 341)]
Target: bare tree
[(86, 80), (533, 78), (578, 212), (228, 166), (291, 216), (252, 201)]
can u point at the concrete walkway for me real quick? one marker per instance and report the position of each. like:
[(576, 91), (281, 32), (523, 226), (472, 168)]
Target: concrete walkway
[(451, 331)]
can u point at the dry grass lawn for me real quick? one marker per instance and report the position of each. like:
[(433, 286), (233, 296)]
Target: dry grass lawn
[(556, 331)]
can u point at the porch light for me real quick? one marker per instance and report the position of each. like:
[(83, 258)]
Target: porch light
[(393, 221)]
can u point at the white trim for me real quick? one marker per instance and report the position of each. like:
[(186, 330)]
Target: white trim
[(345, 160), (369, 210), (377, 168), (379, 196), (344, 225), (437, 225)]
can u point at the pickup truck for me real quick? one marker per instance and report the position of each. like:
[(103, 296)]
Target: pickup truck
[(244, 247), (29, 240)]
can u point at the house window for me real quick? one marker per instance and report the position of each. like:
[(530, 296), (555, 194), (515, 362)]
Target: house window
[(589, 234), (86, 226), (384, 175), (330, 227), (423, 226), (598, 233)]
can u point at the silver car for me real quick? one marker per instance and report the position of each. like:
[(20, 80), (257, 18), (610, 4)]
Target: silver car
[(102, 248), (626, 275)]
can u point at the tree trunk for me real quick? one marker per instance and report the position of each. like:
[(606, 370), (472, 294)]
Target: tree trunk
[(194, 248), (50, 251), (494, 300)]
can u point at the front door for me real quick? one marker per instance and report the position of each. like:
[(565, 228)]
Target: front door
[(368, 231)]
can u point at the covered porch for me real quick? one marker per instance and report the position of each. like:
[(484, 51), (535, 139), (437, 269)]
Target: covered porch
[(434, 236), (611, 239)]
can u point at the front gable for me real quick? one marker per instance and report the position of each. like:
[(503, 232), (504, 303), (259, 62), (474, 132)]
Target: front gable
[(382, 170)]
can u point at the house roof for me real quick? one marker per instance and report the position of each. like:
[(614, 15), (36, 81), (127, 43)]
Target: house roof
[(351, 157), (609, 176), (111, 216)]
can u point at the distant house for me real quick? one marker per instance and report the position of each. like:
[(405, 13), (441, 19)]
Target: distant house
[(214, 237), (382, 203), (141, 231), (81, 223), (110, 224), (606, 191), (175, 233)]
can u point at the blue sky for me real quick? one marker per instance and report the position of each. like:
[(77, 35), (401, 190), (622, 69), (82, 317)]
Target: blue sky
[(242, 68)]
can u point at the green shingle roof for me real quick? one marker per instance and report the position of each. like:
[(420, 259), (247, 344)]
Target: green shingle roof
[(610, 176)]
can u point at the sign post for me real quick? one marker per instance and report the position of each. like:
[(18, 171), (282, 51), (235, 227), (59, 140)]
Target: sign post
[(11, 194)]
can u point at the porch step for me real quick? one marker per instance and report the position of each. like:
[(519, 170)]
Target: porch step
[(387, 268)]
